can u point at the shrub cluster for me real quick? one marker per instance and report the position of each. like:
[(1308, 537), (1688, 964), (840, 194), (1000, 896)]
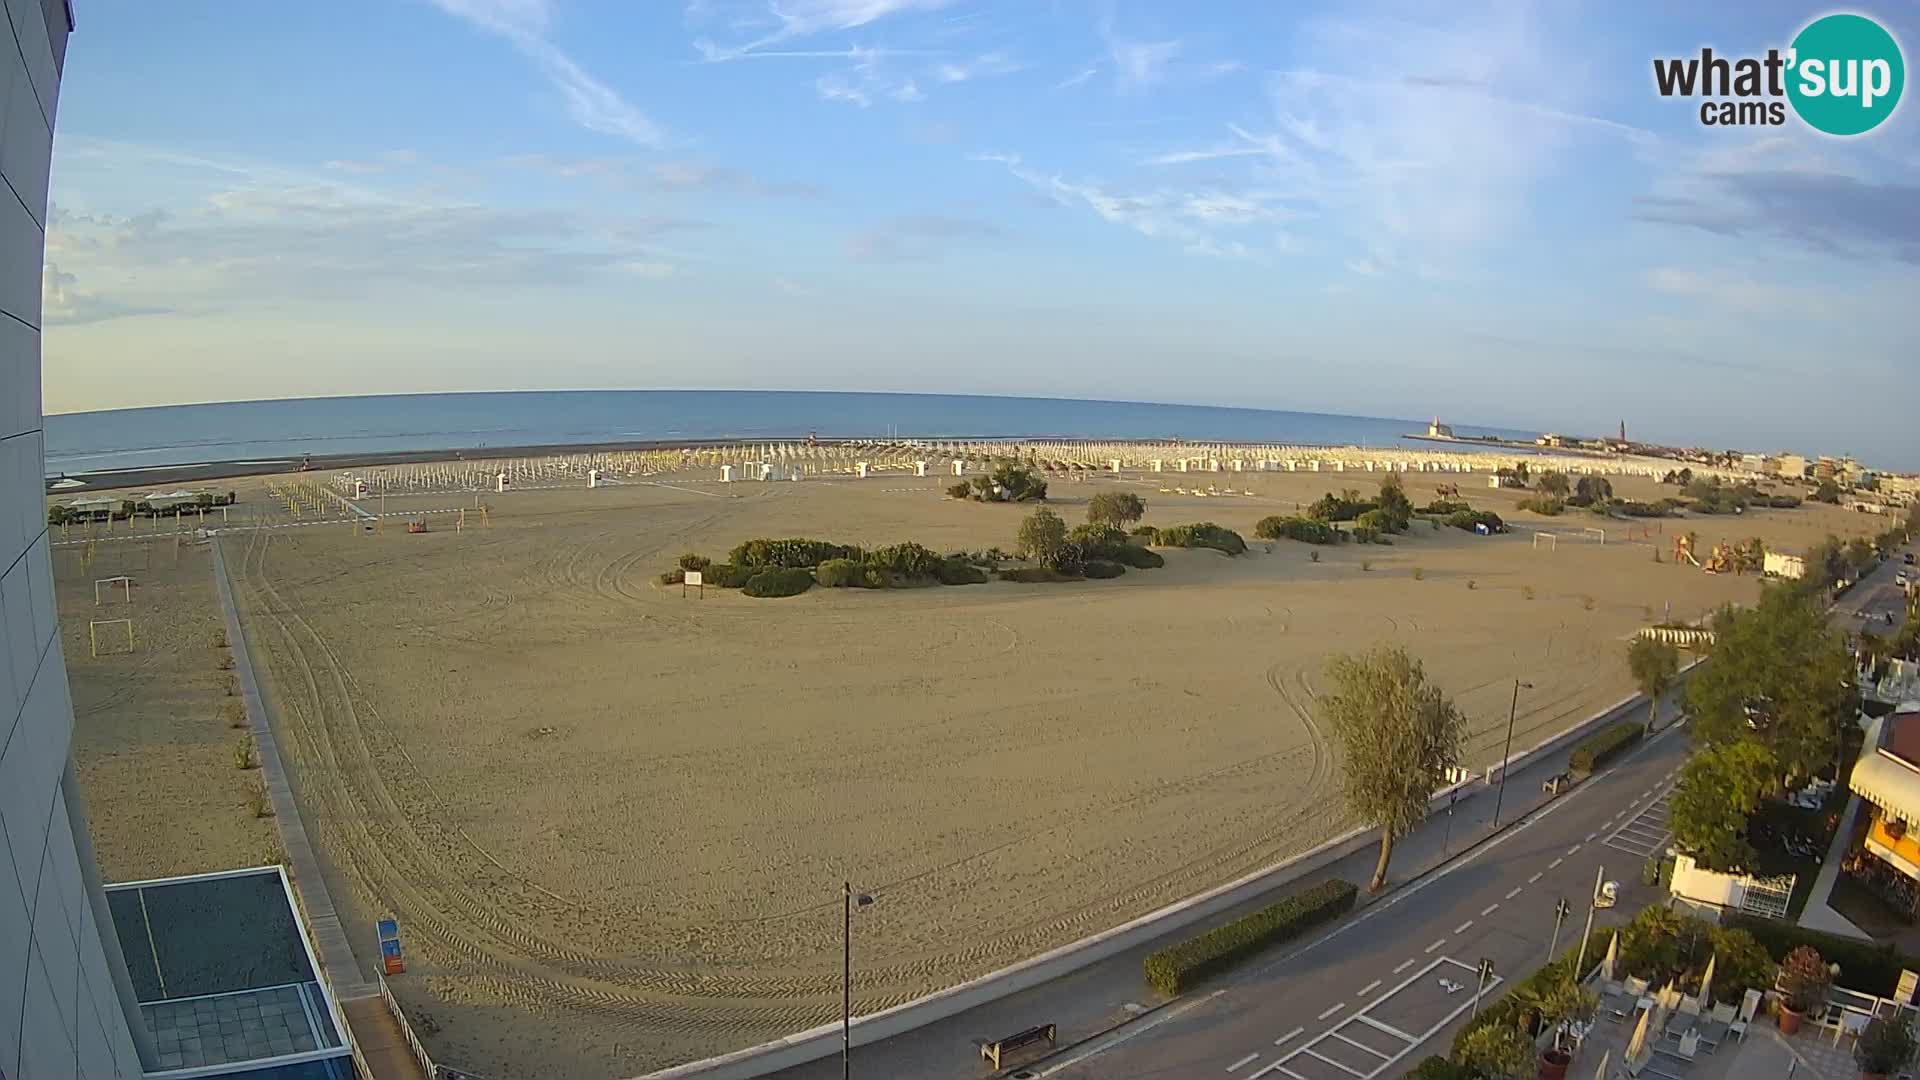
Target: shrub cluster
[(1546, 505), (1345, 506), (1101, 568), (1468, 519), (959, 572), (1098, 541), (1368, 534), (1033, 575), (1006, 483), (1526, 995), (780, 581), (1177, 967), (1139, 558), (1603, 746), (838, 573), (1204, 534), (1864, 966), (791, 554), (1445, 507), (1435, 1067), (1305, 530)]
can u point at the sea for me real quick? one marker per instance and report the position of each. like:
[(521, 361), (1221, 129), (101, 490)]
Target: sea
[(242, 431)]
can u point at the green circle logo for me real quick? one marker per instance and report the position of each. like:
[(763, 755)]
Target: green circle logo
[(1846, 74)]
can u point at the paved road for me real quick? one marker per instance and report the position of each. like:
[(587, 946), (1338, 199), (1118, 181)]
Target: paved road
[(1371, 997), (1875, 597), (1110, 992)]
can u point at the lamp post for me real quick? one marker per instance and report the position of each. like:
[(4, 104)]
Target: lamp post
[(1593, 902), (1507, 758), (846, 980), (1561, 909), (1481, 975)]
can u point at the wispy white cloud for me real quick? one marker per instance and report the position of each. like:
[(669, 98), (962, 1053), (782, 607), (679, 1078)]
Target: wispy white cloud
[(65, 303), (982, 66), (1138, 64), (665, 176), (839, 88), (917, 238), (593, 104), (385, 161), (1198, 221), (1077, 78), (796, 19)]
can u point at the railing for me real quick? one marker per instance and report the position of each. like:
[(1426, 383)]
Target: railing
[(406, 1030)]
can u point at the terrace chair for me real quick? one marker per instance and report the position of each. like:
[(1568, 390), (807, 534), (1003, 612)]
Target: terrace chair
[(1619, 1005), (1713, 1031), (1690, 1045), (1749, 1005)]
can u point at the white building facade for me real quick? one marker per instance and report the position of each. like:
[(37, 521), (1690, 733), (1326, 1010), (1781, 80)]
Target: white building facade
[(64, 995)]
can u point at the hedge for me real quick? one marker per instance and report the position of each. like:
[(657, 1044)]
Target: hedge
[(1139, 558), (1468, 519), (1101, 568), (1868, 968), (838, 573), (1177, 967), (727, 575), (1509, 1006), (791, 553), (1203, 534), (1435, 1067), (1603, 746), (1033, 575), (673, 577), (908, 560), (959, 572), (1306, 530), (786, 581)]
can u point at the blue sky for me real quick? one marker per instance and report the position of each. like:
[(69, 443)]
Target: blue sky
[(1477, 210)]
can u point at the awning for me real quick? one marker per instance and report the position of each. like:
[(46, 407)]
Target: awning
[(1884, 782)]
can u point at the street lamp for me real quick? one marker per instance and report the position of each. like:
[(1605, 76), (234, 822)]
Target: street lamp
[(1482, 973), (846, 981), (1561, 909), (1506, 759)]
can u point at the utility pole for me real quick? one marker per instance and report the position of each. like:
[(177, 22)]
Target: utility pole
[(1482, 974), (1561, 909), (1593, 901), (1506, 759)]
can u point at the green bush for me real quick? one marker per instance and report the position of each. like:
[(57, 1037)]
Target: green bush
[(727, 575), (908, 560), (1176, 968), (1446, 507), (873, 577), (1519, 1005), (1372, 519), (789, 553), (961, 490), (784, 581), (838, 573), (1145, 532), (1467, 519), (690, 561), (1603, 746), (1101, 568), (1120, 508), (1367, 534), (1543, 505), (1033, 575), (1866, 967), (673, 577), (1305, 530), (1204, 534), (1139, 558), (959, 572), (1098, 541), (1345, 506), (1435, 1067)]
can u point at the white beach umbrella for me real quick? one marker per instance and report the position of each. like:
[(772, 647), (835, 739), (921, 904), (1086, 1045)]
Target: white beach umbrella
[(1612, 958), (1706, 984), (1638, 1043)]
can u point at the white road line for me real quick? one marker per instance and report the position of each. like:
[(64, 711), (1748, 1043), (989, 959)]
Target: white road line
[(1646, 793), (1555, 864), (1389, 1029), (1275, 1067), (1488, 910), (1462, 928), (1590, 837), (1409, 963), (1573, 850), (1133, 1031), (1369, 988), (1289, 1036), (1343, 1068), (1515, 891), (1363, 1046), (1249, 1059), (1331, 1009), (1533, 879), (1435, 945)]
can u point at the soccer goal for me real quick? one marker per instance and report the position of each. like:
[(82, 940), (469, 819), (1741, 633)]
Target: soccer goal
[(1599, 534), (126, 589), (107, 644), (1552, 539)]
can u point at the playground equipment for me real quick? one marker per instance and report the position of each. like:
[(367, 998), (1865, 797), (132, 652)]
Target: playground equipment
[(1683, 548), (417, 525), (1721, 560)]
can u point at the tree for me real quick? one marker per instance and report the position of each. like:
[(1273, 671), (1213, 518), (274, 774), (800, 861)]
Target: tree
[(1719, 788), (1394, 504), (1861, 554), (1117, 508), (1827, 492), (1497, 1050), (1591, 489), (1400, 735), (1043, 536), (1553, 483), (1779, 675), (1654, 665)]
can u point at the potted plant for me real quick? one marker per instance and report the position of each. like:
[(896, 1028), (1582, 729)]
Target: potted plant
[(1565, 1004), (1885, 1048), (1804, 979)]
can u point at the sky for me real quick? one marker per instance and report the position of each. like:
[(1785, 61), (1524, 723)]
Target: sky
[(1481, 211)]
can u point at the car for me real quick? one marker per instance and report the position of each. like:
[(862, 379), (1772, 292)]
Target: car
[(1908, 557), (1900, 579)]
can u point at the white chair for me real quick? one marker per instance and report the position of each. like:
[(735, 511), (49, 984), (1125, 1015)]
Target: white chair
[(1749, 1005), (1689, 1045)]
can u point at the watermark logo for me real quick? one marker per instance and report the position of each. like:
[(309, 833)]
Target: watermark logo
[(1842, 75)]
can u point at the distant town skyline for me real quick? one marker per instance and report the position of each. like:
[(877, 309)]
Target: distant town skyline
[(1377, 209)]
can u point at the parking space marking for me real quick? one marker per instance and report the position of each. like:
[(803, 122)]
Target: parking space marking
[(1389, 1060), (1310, 1052), (1388, 1028), (1248, 1060), (1331, 1009), (1369, 988), (1361, 1045), (1644, 834)]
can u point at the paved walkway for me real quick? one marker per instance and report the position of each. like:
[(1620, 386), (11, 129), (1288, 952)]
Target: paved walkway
[(1818, 914)]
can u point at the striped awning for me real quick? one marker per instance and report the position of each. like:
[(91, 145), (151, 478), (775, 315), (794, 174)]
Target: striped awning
[(1883, 781)]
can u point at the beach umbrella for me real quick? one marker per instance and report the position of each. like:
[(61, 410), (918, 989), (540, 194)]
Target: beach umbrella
[(1601, 1072), (1612, 958), (1706, 984), (1637, 1045)]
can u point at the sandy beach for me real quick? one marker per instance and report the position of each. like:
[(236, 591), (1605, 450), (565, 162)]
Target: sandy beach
[(613, 820)]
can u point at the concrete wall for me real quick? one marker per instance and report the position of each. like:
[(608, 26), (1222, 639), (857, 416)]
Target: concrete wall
[(60, 1016)]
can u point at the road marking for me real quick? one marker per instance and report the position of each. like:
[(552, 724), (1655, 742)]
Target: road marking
[(1462, 928), (1289, 1036), (1363, 1046), (1590, 837), (1573, 850), (1409, 963), (1343, 1068), (1249, 1059), (1488, 910), (1515, 891), (1435, 945), (1369, 988), (1331, 1009), (1533, 879), (1388, 1028), (1130, 1032), (1275, 1067), (1646, 793), (1555, 864)]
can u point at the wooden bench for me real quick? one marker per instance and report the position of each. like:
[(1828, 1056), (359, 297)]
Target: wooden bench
[(1040, 1033), (1554, 785)]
